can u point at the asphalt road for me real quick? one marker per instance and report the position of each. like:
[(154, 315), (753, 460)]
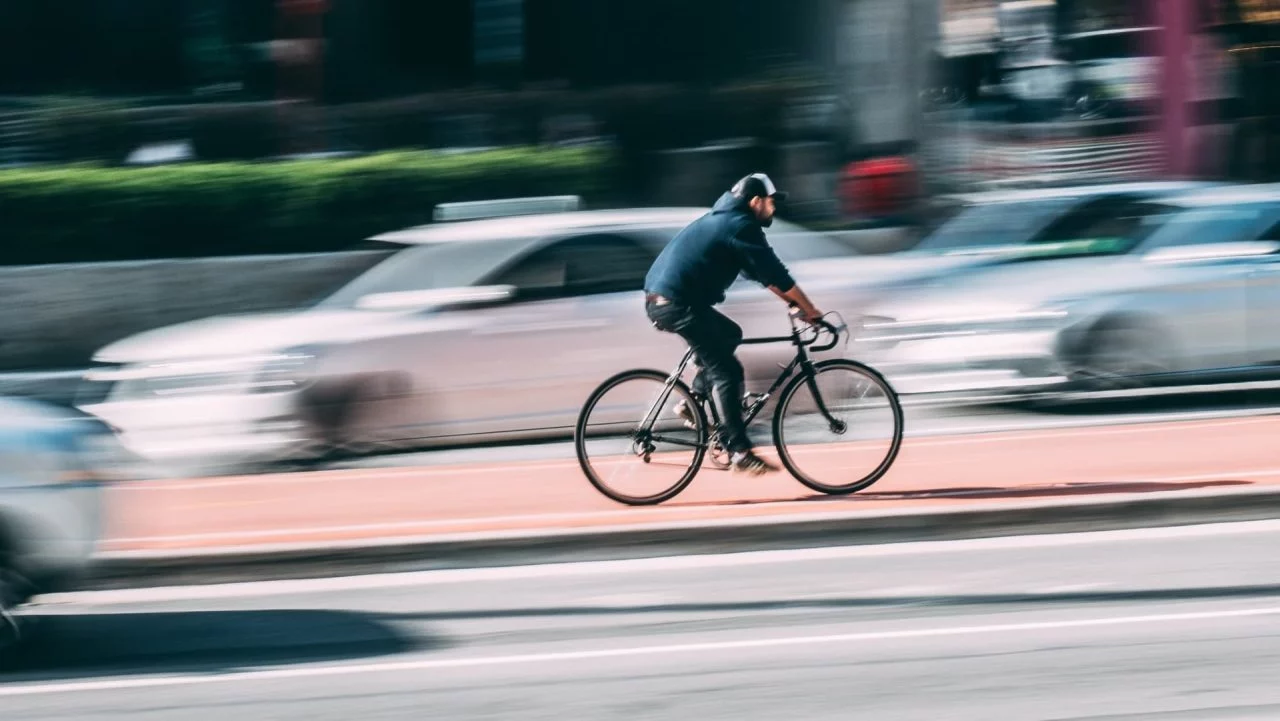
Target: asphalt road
[(1154, 625)]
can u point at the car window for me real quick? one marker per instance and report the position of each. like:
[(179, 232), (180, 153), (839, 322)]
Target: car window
[(1103, 227), (579, 266), (1214, 224), (430, 267), (1273, 233), (991, 224)]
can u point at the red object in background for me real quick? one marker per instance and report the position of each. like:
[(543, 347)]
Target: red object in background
[(303, 7), (879, 187)]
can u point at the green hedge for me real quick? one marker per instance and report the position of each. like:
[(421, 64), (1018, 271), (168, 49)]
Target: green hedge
[(91, 213)]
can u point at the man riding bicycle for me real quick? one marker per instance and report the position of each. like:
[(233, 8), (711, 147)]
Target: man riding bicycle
[(692, 274)]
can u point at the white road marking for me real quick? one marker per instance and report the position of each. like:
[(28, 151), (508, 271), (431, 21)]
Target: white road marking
[(258, 589), (276, 674)]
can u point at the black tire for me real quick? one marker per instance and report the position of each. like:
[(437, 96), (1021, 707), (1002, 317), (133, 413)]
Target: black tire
[(1122, 355), (586, 432), (790, 394), (12, 630)]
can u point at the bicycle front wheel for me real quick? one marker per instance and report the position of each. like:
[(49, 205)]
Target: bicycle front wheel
[(839, 430), (631, 443)]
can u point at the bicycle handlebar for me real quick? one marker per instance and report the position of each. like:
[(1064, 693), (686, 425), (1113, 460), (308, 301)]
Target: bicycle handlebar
[(822, 325)]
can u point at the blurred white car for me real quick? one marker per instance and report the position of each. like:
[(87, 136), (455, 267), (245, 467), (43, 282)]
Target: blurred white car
[(52, 465), (982, 226), (1183, 289), (480, 330)]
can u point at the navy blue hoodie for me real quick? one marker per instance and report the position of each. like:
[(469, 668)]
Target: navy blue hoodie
[(704, 259)]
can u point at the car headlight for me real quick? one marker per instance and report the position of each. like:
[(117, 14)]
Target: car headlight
[(285, 372), (242, 374)]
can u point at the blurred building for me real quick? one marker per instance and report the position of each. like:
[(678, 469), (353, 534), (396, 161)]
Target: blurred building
[(1144, 87), (1078, 90)]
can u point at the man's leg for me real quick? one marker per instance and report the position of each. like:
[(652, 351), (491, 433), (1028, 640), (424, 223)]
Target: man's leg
[(714, 339)]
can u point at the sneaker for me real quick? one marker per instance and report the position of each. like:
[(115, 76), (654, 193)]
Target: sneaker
[(751, 464), (686, 414)]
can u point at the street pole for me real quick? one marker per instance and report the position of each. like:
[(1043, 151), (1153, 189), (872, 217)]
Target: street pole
[(1174, 17)]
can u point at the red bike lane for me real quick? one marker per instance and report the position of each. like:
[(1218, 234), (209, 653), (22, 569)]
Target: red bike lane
[(1017, 467)]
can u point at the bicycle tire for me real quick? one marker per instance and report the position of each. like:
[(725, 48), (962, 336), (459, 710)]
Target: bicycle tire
[(580, 438), (779, 437)]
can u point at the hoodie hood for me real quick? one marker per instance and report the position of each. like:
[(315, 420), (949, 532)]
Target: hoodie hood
[(730, 203)]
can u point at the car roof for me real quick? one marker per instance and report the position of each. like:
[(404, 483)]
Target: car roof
[(1225, 195), (532, 226), (1085, 191)]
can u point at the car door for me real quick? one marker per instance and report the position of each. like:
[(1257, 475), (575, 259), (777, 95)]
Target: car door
[(1208, 264), (557, 336)]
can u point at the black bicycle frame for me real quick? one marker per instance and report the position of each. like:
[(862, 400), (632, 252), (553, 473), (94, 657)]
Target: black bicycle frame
[(801, 361)]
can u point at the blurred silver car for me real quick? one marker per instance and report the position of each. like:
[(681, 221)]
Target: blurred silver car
[(982, 226), (1183, 288), (52, 465), (479, 330)]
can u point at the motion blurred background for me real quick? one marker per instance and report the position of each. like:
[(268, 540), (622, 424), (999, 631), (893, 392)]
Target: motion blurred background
[(163, 163), (403, 240)]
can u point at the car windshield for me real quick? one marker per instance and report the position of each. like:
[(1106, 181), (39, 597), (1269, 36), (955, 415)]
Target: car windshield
[(990, 224), (428, 267)]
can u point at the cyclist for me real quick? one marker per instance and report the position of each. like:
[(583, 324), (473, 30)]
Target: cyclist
[(691, 276)]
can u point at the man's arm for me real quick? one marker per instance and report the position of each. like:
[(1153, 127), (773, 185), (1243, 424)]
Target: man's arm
[(808, 311), (763, 266)]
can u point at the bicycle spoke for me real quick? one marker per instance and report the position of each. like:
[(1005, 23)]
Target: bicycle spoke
[(843, 438), (633, 445)]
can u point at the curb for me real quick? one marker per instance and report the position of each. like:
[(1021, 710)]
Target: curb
[(257, 563)]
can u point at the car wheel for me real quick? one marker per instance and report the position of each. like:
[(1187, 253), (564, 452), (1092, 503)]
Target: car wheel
[(1122, 356), (12, 630)]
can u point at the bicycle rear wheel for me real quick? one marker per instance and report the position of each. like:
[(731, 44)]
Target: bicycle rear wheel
[(632, 445), (854, 443)]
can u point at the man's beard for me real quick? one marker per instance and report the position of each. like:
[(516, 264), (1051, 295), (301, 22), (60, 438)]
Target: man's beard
[(767, 222)]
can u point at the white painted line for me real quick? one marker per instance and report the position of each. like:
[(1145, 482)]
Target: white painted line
[(415, 579), (277, 674), (655, 513)]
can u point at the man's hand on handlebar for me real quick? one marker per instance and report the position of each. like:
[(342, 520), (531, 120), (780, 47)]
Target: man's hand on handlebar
[(812, 316), (805, 310)]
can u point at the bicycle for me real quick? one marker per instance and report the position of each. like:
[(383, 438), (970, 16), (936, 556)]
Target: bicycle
[(608, 438)]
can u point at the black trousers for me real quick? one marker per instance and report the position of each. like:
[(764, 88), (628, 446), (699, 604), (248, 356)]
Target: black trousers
[(714, 339)]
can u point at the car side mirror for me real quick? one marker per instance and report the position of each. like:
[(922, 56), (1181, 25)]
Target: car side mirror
[(437, 299)]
